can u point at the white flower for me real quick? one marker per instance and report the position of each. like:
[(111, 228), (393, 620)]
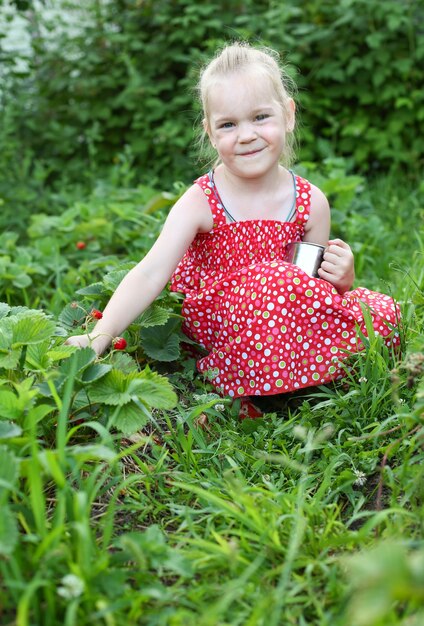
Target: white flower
[(219, 407), (300, 432), (361, 478), (72, 587), (402, 401), (363, 379)]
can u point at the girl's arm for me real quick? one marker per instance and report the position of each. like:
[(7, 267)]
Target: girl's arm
[(338, 264), (137, 290)]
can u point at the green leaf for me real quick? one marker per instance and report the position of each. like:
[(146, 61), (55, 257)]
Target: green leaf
[(10, 407), (113, 583), (92, 452), (60, 352), (130, 418), (5, 334), (8, 430), (112, 280), (95, 289), (4, 309), (22, 280), (113, 389), (72, 316), (151, 545), (36, 356), (37, 413), (124, 362), (95, 371), (83, 357), (178, 563), (162, 343), (9, 470), (31, 327), (8, 531), (154, 315), (10, 360), (118, 389), (156, 391)]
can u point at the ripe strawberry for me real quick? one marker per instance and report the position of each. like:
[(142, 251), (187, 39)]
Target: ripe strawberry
[(80, 245), (96, 314), (119, 343)]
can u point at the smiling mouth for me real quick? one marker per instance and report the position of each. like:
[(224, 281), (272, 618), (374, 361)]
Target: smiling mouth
[(251, 152)]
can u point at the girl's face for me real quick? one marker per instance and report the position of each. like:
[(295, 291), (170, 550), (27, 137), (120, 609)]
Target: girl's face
[(246, 124)]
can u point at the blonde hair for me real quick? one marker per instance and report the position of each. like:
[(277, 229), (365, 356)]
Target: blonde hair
[(240, 56)]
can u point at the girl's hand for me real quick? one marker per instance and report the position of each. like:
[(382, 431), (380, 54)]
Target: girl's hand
[(83, 341), (338, 265)]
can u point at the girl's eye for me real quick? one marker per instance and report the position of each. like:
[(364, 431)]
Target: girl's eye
[(227, 125), (262, 116)]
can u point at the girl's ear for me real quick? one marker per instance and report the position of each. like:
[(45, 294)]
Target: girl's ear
[(206, 127), (207, 130), (290, 115)]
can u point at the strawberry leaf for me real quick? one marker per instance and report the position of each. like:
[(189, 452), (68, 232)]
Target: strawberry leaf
[(4, 309), (162, 343), (131, 418), (119, 389), (72, 316), (30, 327), (10, 406), (113, 389), (95, 371), (154, 315)]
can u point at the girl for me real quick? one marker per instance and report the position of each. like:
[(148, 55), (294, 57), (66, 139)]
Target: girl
[(268, 326)]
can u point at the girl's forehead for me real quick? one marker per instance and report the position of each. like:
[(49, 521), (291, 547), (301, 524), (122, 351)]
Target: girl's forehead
[(249, 80), (243, 87)]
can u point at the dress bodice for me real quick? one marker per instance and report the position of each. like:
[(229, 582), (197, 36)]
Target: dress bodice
[(229, 247)]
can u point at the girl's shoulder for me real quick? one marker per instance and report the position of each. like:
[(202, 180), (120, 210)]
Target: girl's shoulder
[(311, 193), (193, 204), (318, 198), (317, 228)]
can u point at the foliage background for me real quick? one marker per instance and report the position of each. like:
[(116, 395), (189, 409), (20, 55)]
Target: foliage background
[(120, 85)]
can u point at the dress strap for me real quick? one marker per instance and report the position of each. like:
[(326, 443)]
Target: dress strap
[(299, 211), (303, 200), (292, 210), (217, 208), (220, 204)]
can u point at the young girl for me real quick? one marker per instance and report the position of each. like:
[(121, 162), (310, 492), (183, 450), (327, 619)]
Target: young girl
[(268, 326)]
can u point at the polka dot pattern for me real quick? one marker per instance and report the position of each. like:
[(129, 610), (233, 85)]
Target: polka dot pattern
[(269, 327)]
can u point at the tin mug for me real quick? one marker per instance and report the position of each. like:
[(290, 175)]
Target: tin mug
[(308, 256)]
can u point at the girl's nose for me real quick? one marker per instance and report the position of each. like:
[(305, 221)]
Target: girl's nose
[(246, 132)]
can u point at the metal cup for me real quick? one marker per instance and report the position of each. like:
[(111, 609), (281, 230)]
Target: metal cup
[(307, 256)]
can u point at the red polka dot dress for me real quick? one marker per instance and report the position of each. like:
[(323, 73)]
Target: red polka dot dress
[(268, 327)]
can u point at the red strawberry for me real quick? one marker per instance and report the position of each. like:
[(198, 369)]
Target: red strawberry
[(119, 343), (80, 245), (96, 314)]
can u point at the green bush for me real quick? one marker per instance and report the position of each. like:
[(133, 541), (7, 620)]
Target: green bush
[(122, 85)]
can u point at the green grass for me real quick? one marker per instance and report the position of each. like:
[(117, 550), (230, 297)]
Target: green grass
[(123, 503)]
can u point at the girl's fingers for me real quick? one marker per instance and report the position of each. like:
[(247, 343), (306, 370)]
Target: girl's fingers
[(339, 243), (78, 341), (337, 251), (330, 257), (331, 269), (323, 273)]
